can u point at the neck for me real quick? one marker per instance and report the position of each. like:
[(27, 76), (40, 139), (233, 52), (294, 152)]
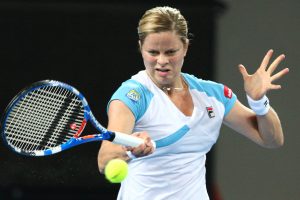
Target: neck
[(183, 87), (167, 89)]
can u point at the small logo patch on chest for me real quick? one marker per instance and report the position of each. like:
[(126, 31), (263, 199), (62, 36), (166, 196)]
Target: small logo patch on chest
[(210, 112)]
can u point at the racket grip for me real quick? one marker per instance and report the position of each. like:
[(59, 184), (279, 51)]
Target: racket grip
[(128, 140)]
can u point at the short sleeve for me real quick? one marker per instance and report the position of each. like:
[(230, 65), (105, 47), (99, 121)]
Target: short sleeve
[(135, 96), (228, 98), (217, 90)]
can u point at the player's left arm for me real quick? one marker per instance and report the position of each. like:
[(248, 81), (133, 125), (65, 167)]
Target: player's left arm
[(261, 124), (264, 130)]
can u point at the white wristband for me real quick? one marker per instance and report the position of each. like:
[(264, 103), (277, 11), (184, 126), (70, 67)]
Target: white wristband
[(130, 155), (261, 106)]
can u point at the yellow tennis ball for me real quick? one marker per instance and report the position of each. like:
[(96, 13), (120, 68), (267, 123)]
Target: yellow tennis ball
[(116, 170)]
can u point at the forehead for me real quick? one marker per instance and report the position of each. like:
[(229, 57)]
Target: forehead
[(162, 39)]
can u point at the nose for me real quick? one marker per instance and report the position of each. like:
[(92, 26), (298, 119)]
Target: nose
[(162, 60)]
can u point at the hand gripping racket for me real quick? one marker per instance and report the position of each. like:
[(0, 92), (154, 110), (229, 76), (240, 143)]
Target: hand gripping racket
[(49, 116)]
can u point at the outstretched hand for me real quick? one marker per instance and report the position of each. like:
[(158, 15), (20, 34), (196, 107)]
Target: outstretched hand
[(258, 84)]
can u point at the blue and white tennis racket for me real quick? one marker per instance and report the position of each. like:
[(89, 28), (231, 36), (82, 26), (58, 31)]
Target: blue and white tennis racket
[(49, 116)]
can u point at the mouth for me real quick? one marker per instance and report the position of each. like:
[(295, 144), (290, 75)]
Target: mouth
[(162, 70)]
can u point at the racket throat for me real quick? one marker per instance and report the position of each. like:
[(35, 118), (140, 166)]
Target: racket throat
[(77, 134), (109, 135)]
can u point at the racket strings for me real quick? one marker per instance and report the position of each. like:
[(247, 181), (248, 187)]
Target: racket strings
[(45, 122), (66, 115), (20, 122), (42, 118), (32, 110)]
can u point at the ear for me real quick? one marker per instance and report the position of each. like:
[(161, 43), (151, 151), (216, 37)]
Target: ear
[(186, 46), (140, 46)]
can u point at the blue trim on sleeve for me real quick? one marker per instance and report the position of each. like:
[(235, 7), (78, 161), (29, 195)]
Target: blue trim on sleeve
[(212, 89), (135, 96), (172, 138), (230, 104)]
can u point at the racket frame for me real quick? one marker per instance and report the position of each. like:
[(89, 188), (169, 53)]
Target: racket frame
[(104, 134)]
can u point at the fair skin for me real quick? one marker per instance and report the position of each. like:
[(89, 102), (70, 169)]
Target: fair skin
[(264, 130), (163, 55)]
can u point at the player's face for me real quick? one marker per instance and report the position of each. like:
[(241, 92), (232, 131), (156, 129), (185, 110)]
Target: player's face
[(163, 54)]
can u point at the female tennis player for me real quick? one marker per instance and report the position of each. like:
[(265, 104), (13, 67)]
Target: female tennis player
[(183, 114)]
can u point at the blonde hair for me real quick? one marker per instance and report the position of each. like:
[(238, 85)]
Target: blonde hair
[(162, 19)]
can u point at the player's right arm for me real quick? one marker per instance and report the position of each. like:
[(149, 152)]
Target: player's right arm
[(121, 119)]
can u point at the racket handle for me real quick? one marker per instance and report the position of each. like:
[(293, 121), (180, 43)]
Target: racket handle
[(128, 140)]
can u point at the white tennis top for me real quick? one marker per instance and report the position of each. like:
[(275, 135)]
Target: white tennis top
[(176, 170)]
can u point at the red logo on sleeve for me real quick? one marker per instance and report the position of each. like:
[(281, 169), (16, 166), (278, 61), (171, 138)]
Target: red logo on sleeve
[(227, 92)]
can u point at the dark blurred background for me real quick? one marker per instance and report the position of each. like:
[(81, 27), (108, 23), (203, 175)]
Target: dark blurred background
[(91, 45)]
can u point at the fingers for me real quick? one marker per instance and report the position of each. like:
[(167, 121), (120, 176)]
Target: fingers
[(279, 74), (260, 82), (264, 66), (243, 71), (275, 63), (266, 60), (143, 149), (275, 87)]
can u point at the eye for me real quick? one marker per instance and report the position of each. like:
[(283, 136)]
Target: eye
[(171, 52), (153, 52)]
